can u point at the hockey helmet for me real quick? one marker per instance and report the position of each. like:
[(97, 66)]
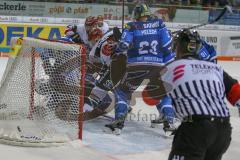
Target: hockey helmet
[(187, 43), (90, 22), (141, 10)]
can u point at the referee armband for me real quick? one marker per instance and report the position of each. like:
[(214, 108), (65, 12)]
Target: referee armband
[(234, 95), (232, 87)]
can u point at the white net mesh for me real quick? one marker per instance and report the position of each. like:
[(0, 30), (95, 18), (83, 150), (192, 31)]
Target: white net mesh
[(41, 94)]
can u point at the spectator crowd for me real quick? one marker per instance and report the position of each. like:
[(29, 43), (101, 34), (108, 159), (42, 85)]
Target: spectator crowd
[(179, 3)]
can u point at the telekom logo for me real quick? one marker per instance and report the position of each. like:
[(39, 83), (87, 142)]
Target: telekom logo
[(178, 72)]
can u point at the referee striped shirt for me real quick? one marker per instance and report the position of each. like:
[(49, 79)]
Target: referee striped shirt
[(198, 88)]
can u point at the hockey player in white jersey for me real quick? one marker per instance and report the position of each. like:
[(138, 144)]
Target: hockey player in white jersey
[(83, 33), (97, 98), (63, 71), (80, 33), (100, 58)]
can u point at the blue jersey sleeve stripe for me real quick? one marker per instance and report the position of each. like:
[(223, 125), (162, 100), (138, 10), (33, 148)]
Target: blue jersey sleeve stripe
[(214, 57), (166, 44)]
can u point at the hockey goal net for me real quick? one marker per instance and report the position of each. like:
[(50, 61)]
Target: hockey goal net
[(42, 85)]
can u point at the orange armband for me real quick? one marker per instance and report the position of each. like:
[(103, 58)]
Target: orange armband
[(233, 95)]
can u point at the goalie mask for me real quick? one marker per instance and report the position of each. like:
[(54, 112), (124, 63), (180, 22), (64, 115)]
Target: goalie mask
[(95, 35), (187, 43), (90, 23)]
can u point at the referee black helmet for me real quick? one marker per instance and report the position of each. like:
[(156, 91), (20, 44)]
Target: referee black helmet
[(187, 43)]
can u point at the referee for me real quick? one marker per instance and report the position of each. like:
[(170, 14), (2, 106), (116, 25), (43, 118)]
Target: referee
[(198, 93)]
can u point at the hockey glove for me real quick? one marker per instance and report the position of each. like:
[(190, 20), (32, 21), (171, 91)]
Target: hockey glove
[(71, 32), (117, 34), (122, 48)]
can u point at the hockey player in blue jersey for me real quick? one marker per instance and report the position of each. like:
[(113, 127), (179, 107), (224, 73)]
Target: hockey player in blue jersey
[(145, 46)]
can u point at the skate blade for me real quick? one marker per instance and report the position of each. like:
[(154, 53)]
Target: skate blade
[(156, 125), (110, 131), (168, 134)]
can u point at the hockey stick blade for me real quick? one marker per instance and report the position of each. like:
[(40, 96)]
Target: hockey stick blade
[(227, 8)]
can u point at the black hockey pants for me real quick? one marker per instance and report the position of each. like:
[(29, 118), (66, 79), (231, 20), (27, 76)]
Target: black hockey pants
[(202, 138)]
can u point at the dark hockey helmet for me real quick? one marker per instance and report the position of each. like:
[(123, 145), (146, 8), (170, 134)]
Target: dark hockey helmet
[(187, 43), (141, 10)]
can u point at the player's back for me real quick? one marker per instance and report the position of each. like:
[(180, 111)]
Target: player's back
[(147, 41)]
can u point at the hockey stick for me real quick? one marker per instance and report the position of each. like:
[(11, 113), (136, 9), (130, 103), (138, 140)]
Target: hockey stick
[(123, 12), (227, 8)]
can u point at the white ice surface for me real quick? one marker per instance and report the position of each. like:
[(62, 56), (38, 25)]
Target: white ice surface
[(137, 142)]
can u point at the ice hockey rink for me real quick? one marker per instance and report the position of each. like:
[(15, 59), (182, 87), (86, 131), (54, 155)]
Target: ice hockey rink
[(137, 142)]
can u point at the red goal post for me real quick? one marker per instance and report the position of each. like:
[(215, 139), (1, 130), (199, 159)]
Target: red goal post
[(42, 89)]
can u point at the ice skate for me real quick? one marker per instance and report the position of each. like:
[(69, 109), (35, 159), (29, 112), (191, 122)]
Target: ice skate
[(115, 127)]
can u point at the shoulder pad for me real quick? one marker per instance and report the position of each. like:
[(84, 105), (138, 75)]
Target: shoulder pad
[(152, 17), (162, 24), (131, 25)]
